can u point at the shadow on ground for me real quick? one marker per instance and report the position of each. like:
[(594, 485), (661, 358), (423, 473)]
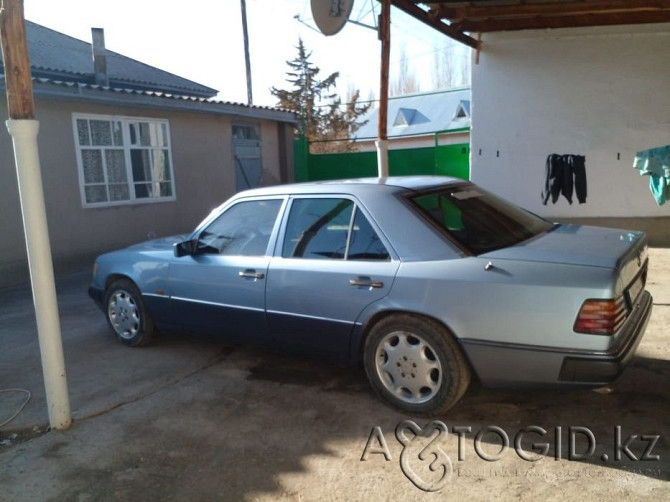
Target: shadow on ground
[(259, 423)]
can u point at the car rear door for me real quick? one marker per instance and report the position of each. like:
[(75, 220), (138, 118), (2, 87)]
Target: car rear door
[(331, 262), (221, 288)]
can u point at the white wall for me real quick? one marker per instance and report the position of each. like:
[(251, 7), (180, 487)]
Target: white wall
[(600, 92)]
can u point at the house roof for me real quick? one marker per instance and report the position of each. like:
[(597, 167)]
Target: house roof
[(137, 98), (421, 114), (54, 55), (62, 69), (457, 18)]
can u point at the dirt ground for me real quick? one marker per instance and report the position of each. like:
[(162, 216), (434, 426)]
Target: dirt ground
[(196, 419)]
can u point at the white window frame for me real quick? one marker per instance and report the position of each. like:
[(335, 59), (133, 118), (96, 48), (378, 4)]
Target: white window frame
[(127, 147)]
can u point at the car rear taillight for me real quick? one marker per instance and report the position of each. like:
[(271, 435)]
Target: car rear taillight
[(601, 317)]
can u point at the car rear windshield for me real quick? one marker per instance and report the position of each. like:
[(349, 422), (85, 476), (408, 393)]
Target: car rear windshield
[(478, 220)]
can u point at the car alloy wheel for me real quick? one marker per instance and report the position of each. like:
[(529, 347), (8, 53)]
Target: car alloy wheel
[(408, 367), (126, 313), (415, 364)]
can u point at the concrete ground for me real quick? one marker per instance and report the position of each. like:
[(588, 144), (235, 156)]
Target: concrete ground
[(190, 418)]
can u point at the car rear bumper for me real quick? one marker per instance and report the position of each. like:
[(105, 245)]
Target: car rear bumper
[(499, 364), (605, 367)]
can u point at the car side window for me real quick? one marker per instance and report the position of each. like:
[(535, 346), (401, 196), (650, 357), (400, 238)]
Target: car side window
[(365, 244), (243, 229), (322, 228), (318, 228)]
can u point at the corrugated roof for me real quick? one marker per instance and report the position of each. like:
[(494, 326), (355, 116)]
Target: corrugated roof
[(57, 56), (79, 91), (421, 114)]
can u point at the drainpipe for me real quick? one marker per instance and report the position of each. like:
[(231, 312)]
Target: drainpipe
[(24, 136)]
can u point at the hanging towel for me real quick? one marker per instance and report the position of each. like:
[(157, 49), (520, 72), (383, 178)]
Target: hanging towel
[(655, 163)]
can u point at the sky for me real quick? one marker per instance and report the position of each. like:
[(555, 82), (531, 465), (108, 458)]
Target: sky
[(202, 40)]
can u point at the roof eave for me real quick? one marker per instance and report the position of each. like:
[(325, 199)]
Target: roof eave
[(73, 92)]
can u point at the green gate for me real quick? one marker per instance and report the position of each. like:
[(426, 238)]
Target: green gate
[(445, 160)]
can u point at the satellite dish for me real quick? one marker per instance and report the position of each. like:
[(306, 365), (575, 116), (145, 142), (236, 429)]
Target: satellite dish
[(330, 16)]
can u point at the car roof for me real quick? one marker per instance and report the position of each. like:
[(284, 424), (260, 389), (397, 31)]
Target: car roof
[(381, 199), (399, 183)]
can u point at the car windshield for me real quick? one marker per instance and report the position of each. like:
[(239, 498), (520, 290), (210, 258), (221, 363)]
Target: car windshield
[(478, 220)]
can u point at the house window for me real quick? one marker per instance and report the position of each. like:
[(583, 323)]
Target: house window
[(123, 160), (463, 110)]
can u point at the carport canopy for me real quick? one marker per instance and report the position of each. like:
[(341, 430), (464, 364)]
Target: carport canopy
[(464, 21)]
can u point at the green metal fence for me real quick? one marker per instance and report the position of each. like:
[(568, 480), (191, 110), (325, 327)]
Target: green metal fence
[(447, 160)]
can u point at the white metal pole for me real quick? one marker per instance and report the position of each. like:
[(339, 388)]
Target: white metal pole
[(24, 136), (382, 158)]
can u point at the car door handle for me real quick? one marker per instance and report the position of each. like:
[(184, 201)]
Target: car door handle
[(251, 274), (366, 282)]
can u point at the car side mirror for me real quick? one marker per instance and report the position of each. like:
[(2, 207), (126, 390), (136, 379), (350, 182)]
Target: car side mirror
[(185, 248)]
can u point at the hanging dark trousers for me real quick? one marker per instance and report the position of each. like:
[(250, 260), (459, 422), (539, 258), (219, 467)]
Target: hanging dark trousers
[(563, 175), (577, 165)]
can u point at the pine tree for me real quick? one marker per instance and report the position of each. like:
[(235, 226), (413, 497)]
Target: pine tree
[(322, 114)]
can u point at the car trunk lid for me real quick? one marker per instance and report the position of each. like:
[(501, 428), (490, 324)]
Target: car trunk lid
[(623, 250)]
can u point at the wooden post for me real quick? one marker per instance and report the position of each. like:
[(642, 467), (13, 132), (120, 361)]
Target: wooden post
[(382, 139), (247, 58), (479, 47), (23, 128), (17, 63)]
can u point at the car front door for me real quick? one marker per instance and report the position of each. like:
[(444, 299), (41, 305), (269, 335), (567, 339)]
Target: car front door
[(220, 288), (330, 264)]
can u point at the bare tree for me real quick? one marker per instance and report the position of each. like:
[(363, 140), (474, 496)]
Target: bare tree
[(404, 80), (443, 70), (452, 67), (466, 65)]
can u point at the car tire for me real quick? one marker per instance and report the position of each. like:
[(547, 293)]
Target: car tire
[(126, 313), (415, 364)]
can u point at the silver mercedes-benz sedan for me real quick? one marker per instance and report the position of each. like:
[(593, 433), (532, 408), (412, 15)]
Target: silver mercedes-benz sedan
[(429, 282)]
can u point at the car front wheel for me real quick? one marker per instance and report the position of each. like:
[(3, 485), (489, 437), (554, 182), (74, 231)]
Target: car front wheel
[(415, 364), (127, 315)]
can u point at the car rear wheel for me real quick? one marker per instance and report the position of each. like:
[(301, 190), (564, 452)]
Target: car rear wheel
[(127, 315), (415, 364)]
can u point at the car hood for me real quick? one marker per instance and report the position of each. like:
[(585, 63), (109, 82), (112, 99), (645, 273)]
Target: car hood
[(579, 245), (162, 244)]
